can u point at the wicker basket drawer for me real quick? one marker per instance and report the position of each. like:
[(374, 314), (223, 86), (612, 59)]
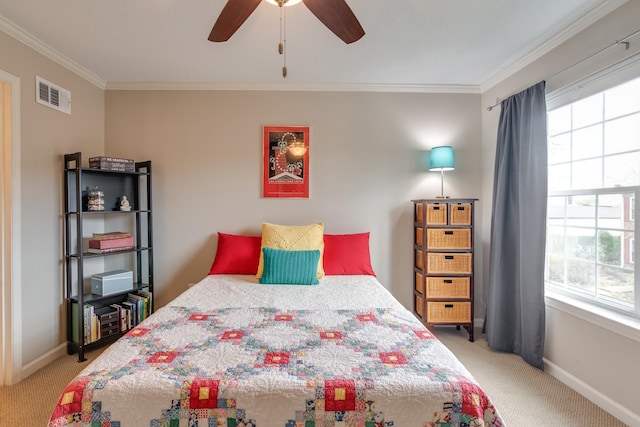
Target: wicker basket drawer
[(448, 287), (449, 238), (437, 213), (419, 307), (419, 283), (419, 236), (419, 263), (448, 312), (460, 214), (443, 263)]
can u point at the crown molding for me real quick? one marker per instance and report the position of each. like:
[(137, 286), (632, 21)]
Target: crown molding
[(46, 50), (298, 87), (31, 41), (569, 31)]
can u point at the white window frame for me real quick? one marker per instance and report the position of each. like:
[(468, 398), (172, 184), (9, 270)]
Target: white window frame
[(564, 296), (597, 300)]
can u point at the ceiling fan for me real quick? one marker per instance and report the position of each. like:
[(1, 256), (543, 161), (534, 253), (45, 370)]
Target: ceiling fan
[(334, 14)]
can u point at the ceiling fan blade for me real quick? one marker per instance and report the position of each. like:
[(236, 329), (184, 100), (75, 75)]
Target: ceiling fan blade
[(233, 15), (338, 17)]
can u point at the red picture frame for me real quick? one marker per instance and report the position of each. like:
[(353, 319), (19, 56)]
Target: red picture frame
[(285, 162)]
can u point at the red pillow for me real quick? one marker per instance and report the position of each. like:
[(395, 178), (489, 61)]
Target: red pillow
[(236, 254), (347, 254)]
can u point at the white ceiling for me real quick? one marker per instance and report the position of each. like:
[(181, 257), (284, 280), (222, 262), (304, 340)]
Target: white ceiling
[(407, 42)]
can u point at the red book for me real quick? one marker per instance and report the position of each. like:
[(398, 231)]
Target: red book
[(111, 243), (111, 235)]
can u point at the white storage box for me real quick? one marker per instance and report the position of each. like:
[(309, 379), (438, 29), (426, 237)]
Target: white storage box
[(112, 282)]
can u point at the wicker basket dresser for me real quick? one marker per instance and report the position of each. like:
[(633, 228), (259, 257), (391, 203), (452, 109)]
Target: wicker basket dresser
[(443, 262)]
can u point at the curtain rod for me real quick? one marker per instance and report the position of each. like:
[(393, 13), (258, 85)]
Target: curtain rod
[(622, 41)]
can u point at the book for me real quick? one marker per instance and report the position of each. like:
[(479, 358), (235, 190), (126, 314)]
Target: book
[(133, 307), (109, 159), (88, 321), (140, 311), (110, 250), (74, 322), (149, 296), (128, 309), (111, 163), (95, 327), (111, 243), (110, 235), (118, 167)]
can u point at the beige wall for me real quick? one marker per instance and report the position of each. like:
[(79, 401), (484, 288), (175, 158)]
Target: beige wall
[(47, 134), (366, 153), (598, 362)]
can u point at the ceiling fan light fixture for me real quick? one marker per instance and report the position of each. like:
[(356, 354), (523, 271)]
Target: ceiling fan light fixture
[(286, 2), (336, 15)]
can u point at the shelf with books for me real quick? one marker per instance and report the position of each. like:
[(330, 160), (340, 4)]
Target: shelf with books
[(127, 242), (109, 319)]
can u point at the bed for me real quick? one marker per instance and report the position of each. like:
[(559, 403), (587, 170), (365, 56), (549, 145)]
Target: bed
[(231, 351)]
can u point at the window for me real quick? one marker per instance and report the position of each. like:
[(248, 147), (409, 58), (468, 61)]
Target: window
[(594, 181)]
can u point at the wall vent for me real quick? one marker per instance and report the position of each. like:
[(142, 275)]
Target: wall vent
[(52, 95)]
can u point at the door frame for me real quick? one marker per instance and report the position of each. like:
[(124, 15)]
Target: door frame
[(10, 263)]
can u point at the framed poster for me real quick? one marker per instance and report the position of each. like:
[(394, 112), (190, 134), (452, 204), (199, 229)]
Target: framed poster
[(286, 162)]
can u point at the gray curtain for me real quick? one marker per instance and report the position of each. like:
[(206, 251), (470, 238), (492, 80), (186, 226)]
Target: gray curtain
[(515, 317)]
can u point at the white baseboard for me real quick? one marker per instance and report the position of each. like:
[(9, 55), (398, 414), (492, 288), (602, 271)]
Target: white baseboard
[(44, 360), (606, 403)]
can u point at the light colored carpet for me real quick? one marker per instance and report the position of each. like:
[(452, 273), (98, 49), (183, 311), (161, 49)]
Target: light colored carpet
[(30, 402), (523, 395)]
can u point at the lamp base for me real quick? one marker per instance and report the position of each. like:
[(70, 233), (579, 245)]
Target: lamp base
[(442, 196)]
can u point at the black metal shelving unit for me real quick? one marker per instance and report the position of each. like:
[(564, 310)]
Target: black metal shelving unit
[(78, 181)]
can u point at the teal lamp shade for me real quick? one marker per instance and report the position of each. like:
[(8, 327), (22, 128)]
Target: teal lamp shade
[(441, 159)]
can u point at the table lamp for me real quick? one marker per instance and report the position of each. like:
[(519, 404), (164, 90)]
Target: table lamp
[(441, 159)]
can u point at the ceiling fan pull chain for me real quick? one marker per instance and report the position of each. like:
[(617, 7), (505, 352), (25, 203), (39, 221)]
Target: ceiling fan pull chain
[(280, 45), (284, 41)]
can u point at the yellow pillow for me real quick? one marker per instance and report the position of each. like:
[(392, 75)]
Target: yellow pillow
[(292, 237)]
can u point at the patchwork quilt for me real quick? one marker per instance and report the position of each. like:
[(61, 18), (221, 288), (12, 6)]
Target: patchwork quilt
[(230, 352)]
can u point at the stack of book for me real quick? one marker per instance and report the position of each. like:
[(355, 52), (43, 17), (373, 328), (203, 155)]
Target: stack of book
[(105, 243), (111, 163), (134, 309)]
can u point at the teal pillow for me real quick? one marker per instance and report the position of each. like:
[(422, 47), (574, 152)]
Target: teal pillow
[(283, 267)]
